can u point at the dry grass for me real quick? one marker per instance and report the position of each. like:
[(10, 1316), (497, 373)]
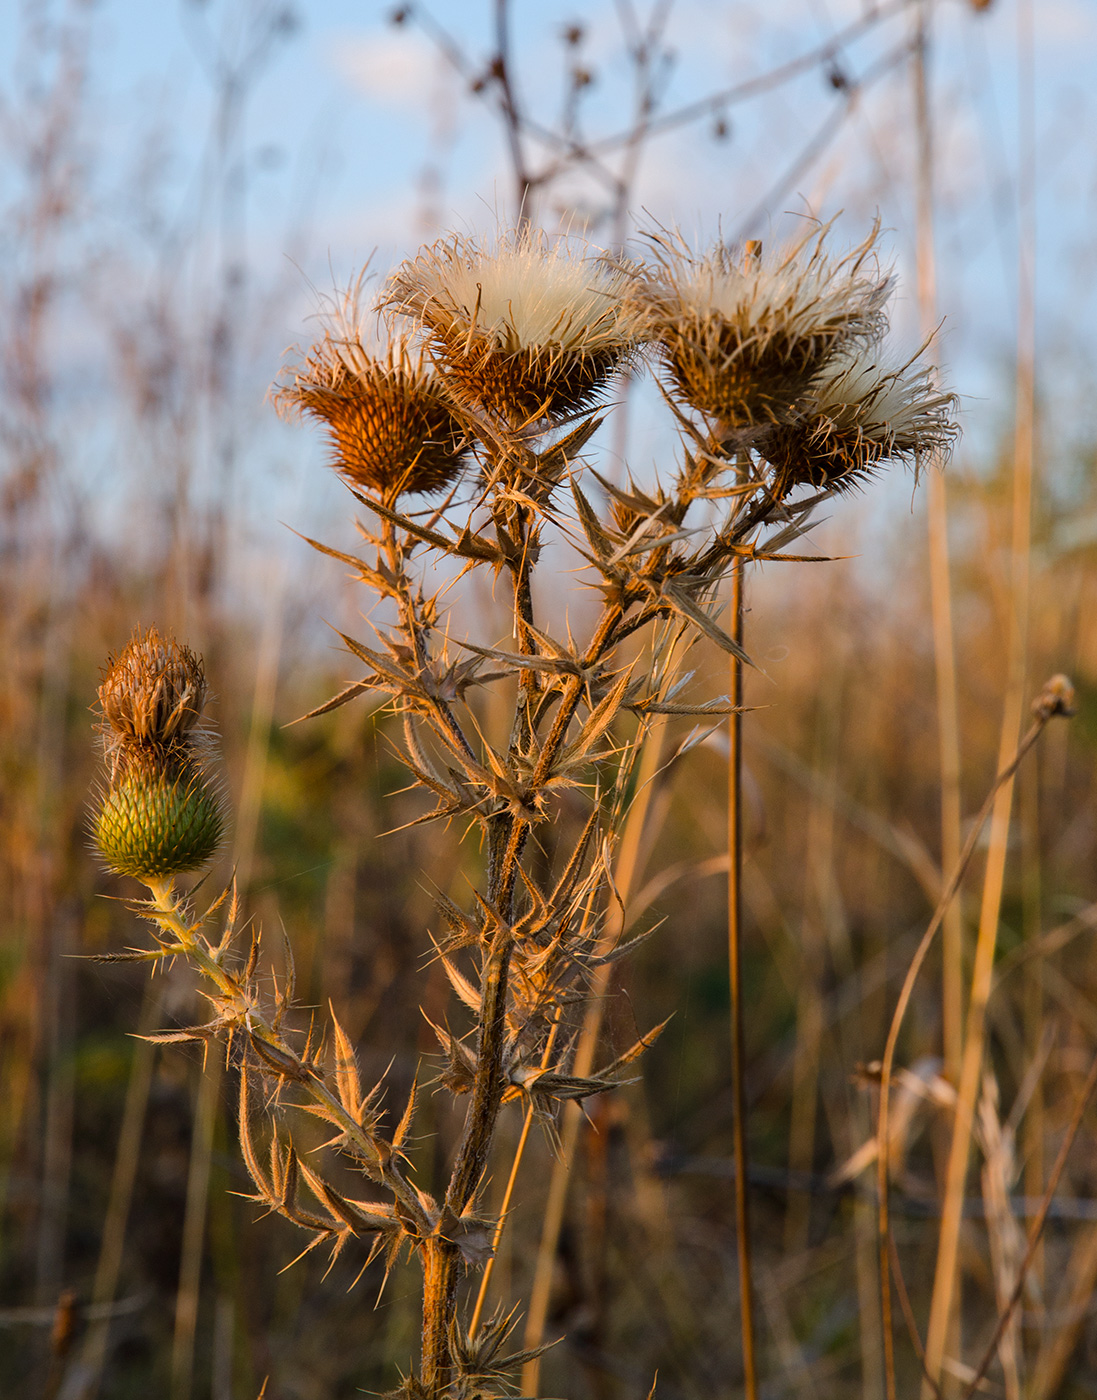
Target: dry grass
[(129, 1267)]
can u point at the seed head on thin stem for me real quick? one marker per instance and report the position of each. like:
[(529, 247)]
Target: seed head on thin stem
[(526, 331)]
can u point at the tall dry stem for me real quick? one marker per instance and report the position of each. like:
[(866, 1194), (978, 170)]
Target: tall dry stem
[(944, 1284)]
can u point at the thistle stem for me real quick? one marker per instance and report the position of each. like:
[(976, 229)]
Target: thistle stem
[(735, 967)]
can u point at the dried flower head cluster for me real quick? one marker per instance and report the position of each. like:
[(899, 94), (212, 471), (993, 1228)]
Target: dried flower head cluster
[(527, 331), (161, 812), (743, 335), (391, 425)]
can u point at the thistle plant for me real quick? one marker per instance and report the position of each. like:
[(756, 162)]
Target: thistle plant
[(462, 439)]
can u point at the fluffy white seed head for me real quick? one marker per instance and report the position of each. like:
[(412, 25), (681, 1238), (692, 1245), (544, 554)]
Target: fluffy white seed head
[(744, 333), (526, 330), (859, 414)]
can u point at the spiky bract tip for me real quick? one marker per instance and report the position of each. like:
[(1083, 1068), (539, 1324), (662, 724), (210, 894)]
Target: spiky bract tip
[(526, 330)]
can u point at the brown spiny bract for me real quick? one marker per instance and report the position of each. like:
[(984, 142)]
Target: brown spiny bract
[(526, 331), (743, 336), (389, 420), (860, 414), (151, 698)]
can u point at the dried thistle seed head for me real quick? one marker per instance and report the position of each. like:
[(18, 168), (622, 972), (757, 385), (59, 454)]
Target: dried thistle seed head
[(743, 334), (390, 422), (151, 695), (859, 414), (156, 822), (525, 331)]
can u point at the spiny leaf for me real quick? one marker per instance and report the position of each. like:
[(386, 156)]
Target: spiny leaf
[(419, 532), (376, 578), (683, 604), (461, 985), (635, 1051), (350, 693), (329, 1198), (600, 541), (379, 661), (662, 707), (347, 1080), (247, 1146), (404, 1125), (553, 462), (602, 717)]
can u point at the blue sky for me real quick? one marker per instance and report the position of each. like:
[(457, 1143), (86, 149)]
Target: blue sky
[(358, 140)]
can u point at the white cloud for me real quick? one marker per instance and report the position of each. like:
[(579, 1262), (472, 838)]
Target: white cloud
[(392, 67)]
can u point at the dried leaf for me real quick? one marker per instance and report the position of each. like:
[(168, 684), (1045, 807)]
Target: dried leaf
[(684, 605), (347, 1080)]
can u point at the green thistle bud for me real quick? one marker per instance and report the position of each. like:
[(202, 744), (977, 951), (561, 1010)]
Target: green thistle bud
[(154, 825), (162, 813)]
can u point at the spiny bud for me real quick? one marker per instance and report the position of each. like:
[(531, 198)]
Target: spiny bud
[(391, 424), (156, 824), (162, 813)]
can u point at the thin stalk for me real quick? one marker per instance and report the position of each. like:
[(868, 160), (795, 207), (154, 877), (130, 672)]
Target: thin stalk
[(1043, 714), (1033, 1010), (940, 580), (194, 1229), (735, 966), (975, 1029), (93, 1353), (944, 652)]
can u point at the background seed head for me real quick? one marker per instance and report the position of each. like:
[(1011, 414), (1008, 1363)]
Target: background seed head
[(153, 824), (525, 331)]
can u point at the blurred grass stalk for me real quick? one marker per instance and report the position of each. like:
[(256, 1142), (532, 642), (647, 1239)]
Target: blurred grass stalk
[(945, 1277)]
